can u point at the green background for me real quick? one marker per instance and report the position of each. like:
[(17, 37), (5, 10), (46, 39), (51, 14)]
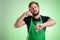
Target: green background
[(12, 9)]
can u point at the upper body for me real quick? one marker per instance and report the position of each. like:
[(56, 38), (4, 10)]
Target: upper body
[(35, 13), (27, 20)]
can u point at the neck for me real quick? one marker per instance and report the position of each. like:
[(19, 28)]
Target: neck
[(37, 16)]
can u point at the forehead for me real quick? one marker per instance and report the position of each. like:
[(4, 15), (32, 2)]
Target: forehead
[(34, 5)]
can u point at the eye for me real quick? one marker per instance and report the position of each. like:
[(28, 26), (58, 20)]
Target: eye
[(32, 8)]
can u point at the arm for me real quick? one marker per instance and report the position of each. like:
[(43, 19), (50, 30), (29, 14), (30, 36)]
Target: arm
[(20, 22), (50, 22)]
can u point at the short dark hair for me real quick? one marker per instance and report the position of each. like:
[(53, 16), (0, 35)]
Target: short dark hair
[(34, 3)]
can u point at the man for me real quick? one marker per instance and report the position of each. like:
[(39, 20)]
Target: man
[(36, 23)]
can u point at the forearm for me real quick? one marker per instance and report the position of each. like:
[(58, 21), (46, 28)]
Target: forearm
[(49, 23), (25, 14), (20, 21)]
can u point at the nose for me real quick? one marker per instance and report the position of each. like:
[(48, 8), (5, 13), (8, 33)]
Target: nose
[(33, 8)]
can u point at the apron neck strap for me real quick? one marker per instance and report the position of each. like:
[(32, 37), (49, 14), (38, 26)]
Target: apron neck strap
[(39, 18)]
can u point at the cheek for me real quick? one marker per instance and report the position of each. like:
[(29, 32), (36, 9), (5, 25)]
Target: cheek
[(31, 10), (37, 9)]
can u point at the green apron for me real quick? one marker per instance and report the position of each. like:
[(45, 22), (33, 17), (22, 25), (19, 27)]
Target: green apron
[(33, 34)]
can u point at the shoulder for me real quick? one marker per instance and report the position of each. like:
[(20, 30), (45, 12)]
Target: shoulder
[(27, 19), (45, 18)]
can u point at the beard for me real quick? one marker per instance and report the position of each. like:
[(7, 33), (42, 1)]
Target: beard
[(35, 14)]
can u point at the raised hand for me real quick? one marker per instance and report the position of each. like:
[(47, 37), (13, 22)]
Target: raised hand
[(28, 13)]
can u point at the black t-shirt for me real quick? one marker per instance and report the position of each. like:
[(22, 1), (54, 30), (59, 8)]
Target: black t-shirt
[(28, 19)]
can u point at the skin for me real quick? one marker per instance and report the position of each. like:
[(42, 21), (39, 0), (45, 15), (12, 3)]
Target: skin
[(34, 9)]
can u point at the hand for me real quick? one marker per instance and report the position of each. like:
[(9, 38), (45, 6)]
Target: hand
[(39, 27), (28, 13)]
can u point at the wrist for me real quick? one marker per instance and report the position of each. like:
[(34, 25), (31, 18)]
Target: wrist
[(44, 25)]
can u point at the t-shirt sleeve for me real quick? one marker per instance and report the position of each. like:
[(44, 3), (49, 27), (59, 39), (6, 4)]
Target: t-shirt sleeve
[(45, 18), (27, 20)]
